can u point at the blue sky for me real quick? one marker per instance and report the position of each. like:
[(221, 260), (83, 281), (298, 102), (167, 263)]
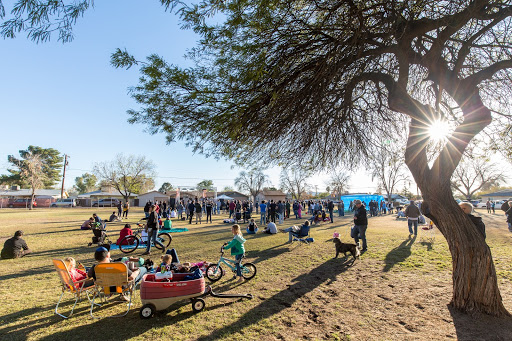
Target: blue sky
[(68, 97)]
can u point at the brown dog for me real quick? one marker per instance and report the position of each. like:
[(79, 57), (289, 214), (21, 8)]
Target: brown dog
[(344, 248)]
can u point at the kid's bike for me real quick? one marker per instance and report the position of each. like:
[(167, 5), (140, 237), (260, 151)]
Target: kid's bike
[(214, 272), (131, 242)]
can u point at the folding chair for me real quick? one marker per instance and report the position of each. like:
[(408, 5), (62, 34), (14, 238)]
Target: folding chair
[(302, 237), (427, 233), (68, 285), (112, 275)]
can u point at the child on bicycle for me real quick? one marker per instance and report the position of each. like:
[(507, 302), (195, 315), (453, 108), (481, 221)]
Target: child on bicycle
[(237, 249)]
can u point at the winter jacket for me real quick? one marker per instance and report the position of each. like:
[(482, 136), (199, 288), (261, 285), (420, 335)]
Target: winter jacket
[(236, 245), (477, 221), (412, 211), (360, 213)]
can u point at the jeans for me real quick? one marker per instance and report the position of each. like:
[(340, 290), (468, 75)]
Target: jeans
[(238, 259), (281, 216), (125, 214), (331, 216), (142, 272), (263, 219), (359, 232), (209, 215), (410, 223), (510, 227), (296, 213), (152, 234)]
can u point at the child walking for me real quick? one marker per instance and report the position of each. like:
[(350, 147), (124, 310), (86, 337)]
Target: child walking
[(237, 249)]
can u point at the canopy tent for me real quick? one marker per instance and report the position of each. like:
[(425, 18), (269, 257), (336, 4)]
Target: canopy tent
[(363, 197), (224, 197)]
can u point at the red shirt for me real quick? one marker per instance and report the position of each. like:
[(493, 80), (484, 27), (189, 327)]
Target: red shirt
[(123, 233)]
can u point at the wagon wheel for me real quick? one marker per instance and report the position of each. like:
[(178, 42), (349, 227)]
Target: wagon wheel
[(147, 311), (198, 305)]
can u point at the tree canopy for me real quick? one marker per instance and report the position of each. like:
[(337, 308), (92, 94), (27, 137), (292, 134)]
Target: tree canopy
[(251, 182), (166, 187), (86, 183), (205, 184), (51, 165)]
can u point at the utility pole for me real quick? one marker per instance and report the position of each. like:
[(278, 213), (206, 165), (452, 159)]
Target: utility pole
[(64, 176)]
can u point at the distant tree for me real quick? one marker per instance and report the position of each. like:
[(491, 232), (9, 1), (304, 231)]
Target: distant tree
[(387, 165), (85, 183), (271, 188), (338, 182), (31, 172), (205, 184), (294, 181), (228, 189), (166, 187), (475, 174), (251, 182), (127, 174), (51, 163)]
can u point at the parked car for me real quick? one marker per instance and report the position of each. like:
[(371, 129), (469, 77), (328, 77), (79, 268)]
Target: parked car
[(106, 203), (21, 203), (64, 203)]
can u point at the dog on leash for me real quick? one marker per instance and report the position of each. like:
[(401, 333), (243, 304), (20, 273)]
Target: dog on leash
[(344, 248)]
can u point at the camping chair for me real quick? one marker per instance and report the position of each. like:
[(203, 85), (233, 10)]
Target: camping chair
[(68, 285), (112, 275), (427, 233), (302, 236)]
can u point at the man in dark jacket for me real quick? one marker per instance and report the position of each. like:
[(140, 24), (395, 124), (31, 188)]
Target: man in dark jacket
[(330, 207), (360, 224), (191, 208), (15, 247), (412, 212), (477, 221)]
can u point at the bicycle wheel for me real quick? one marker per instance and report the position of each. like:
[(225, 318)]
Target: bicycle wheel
[(165, 239), (248, 270), (214, 272), (129, 244)]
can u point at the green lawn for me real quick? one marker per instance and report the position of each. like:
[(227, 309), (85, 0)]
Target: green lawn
[(398, 290)]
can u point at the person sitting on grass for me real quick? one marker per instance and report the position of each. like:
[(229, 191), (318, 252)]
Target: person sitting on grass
[(102, 255), (125, 231), (88, 224), (15, 247), (113, 217), (167, 225), (477, 221), (271, 228), (252, 228)]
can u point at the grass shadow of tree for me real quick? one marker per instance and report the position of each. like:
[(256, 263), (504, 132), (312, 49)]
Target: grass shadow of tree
[(398, 254), (480, 326)]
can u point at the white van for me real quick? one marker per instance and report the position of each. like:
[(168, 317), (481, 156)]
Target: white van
[(64, 203)]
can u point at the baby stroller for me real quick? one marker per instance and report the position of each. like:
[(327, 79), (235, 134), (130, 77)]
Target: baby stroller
[(100, 236)]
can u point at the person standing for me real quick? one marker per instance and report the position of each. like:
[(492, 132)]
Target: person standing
[(198, 211), (360, 224), (152, 227), (263, 213), (412, 212), (280, 211), (15, 247), (330, 207), (126, 208), (467, 208), (209, 208), (488, 205), (288, 206), (273, 208), (508, 213), (191, 208), (119, 209)]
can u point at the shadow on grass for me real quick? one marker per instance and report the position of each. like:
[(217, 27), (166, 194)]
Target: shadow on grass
[(480, 326), (398, 254)]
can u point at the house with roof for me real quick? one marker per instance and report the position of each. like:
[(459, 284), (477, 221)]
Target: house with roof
[(152, 196), (235, 195), (43, 197), (268, 195), (505, 194)]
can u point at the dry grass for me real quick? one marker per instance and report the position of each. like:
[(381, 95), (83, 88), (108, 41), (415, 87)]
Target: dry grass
[(398, 290)]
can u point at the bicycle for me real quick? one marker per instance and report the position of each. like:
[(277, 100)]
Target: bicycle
[(214, 272), (131, 242)]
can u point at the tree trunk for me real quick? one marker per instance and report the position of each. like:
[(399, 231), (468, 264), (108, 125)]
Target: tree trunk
[(475, 285)]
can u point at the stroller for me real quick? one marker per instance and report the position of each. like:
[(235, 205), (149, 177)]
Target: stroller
[(100, 236)]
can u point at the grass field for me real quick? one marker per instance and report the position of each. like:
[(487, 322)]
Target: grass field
[(398, 290)]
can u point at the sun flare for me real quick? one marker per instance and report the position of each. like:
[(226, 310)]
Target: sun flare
[(439, 130)]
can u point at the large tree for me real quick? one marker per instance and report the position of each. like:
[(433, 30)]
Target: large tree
[(338, 182), (51, 165), (476, 174), (127, 174), (205, 184), (166, 187), (294, 81), (86, 183), (31, 171), (251, 182)]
